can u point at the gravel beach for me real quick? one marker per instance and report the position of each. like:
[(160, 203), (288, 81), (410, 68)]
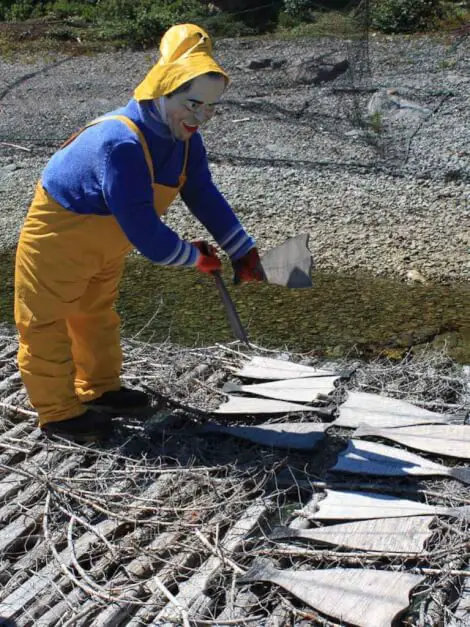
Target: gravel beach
[(287, 148)]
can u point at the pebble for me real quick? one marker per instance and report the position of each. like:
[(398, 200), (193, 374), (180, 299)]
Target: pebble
[(394, 203)]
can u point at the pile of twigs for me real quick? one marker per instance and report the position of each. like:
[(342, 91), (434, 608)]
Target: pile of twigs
[(158, 524)]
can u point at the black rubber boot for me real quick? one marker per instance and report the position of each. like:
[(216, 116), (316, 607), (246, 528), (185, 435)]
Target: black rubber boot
[(84, 429), (121, 402)]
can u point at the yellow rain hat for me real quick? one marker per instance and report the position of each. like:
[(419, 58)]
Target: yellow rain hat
[(185, 53)]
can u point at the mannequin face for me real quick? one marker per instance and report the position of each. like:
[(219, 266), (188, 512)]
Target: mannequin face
[(187, 111)]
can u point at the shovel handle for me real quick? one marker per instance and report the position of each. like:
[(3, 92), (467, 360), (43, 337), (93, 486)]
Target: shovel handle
[(232, 314)]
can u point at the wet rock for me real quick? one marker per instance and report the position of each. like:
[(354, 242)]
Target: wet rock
[(258, 64)]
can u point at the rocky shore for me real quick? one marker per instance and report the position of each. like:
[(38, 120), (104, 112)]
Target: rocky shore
[(364, 145)]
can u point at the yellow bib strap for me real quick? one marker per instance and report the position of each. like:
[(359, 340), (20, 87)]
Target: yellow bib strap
[(130, 124), (133, 126), (186, 154)]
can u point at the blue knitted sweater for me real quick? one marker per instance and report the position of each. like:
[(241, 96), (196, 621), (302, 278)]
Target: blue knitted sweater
[(103, 171)]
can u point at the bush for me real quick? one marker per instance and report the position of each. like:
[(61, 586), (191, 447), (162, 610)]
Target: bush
[(141, 24), (299, 9), (23, 10), (405, 16), (226, 25)]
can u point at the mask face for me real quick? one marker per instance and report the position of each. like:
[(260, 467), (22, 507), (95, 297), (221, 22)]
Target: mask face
[(187, 111)]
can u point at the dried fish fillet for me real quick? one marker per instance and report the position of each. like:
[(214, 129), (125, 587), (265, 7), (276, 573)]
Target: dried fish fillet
[(340, 504), (247, 406), (360, 596), (302, 435), (303, 390), (267, 368), (451, 440), (371, 458), (392, 535), (382, 411)]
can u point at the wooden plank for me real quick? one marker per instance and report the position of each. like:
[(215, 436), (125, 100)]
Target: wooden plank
[(23, 431), (461, 616), (242, 607), (14, 481), (12, 381), (60, 612), (451, 440), (366, 597), (340, 504), (191, 590), (20, 597), (382, 411), (303, 390), (372, 458), (240, 405), (269, 369), (138, 568), (301, 435), (23, 594), (392, 535)]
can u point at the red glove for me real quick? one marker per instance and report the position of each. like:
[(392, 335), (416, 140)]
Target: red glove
[(208, 259), (248, 268)]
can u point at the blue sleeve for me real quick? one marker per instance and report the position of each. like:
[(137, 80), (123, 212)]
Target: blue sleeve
[(208, 205), (127, 189)]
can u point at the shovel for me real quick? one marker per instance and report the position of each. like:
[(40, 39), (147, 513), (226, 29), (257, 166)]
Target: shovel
[(230, 309), (232, 314), (289, 265)]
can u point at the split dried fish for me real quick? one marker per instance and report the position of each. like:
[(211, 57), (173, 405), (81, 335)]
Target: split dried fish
[(382, 411), (267, 368), (303, 390), (363, 597), (340, 504), (392, 535), (451, 440), (247, 406), (371, 458)]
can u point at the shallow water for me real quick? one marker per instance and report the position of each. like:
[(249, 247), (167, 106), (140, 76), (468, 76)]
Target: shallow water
[(341, 315)]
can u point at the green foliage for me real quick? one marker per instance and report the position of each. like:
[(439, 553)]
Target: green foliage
[(130, 23), (328, 24), (70, 9), (375, 121), (227, 25), (140, 23), (299, 9), (406, 16), (22, 9)]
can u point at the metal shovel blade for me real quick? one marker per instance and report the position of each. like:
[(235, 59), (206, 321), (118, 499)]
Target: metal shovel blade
[(289, 264)]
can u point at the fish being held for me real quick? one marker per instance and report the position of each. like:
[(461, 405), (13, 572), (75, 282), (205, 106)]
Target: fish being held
[(361, 596)]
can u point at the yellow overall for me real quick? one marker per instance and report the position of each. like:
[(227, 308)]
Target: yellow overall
[(68, 268)]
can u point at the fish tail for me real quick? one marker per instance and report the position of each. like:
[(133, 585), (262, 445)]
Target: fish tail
[(282, 532), (461, 512), (230, 387), (363, 429), (461, 474), (260, 570)]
